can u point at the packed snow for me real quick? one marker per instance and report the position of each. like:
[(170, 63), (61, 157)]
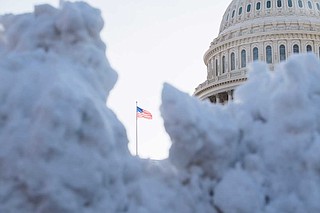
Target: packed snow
[(63, 150), (262, 149)]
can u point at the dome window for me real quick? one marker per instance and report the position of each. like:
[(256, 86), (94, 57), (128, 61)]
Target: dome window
[(309, 4), (290, 3), (227, 17), (233, 12), (309, 48), (243, 58), (300, 3), (258, 6), (268, 4), (233, 61), (248, 8), (296, 48), (279, 3), (282, 50), (223, 64), (240, 11), (255, 54), (269, 54), (318, 6)]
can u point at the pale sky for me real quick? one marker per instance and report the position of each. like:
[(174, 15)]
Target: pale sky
[(150, 42)]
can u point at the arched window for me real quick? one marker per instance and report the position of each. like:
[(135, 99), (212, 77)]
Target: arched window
[(240, 11), (309, 48), (318, 6), (290, 3), (233, 61), (217, 68), (300, 3), (268, 4), (269, 54), (223, 64), (255, 54), (243, 58), (258, 6), (233, 13), (296, 48), (279, 3), (248, 8), (282, 50), (309, 4)]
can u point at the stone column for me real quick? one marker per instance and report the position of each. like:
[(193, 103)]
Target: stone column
[(229, 96), (217, 98)]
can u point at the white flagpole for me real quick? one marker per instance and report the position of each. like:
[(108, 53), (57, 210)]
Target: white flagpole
[(136, 130)]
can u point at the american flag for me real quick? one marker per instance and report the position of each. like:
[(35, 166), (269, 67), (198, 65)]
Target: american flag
[(142, 113)]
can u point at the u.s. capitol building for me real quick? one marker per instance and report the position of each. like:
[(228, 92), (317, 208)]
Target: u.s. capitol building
[(265, 30)]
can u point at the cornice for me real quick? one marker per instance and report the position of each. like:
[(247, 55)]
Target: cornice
[(216, 86)]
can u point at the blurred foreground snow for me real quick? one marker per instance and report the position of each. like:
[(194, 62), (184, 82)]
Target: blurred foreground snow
[(262, 150), (63, 150)]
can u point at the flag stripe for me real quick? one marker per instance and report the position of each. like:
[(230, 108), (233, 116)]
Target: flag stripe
[(142, 113)]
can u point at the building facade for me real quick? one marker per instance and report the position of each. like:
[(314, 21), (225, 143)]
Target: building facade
[(265, 30)]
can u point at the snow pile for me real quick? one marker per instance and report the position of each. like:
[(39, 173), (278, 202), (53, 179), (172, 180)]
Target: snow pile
[(261, 152), (58, 142), (61, 148)]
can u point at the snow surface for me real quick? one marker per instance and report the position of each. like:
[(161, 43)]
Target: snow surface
[(63, 150), (262, 150)]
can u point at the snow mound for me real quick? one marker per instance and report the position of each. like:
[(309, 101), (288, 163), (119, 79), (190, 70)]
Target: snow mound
[(58, 140), (260, 151), (61, 148)]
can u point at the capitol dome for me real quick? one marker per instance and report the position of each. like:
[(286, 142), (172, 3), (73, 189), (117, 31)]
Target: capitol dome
[(265, 30)]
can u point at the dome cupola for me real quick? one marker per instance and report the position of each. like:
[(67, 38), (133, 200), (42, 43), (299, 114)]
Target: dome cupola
[(242, 13)]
